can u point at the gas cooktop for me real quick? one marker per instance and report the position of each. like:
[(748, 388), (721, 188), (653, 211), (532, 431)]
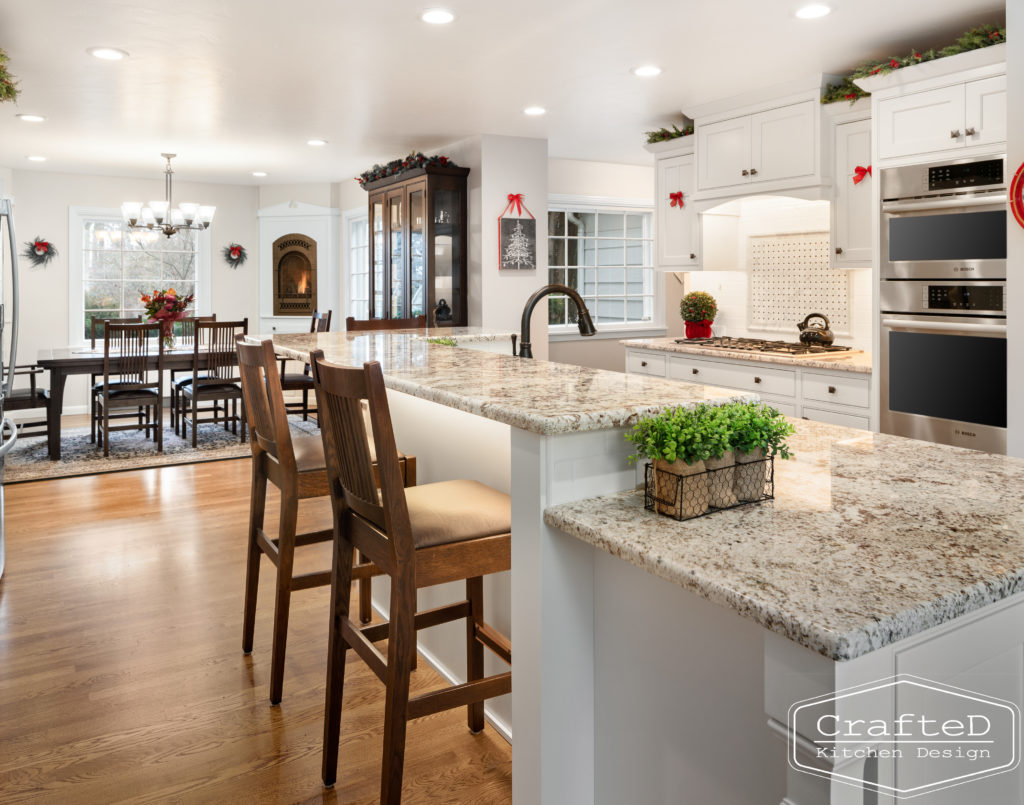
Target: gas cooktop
[(761, 345)]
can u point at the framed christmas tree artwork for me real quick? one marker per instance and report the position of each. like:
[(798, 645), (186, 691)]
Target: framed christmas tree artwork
[(517, 236)]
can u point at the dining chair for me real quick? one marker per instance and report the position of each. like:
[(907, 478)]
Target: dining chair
[(320, 323), (127, 381), (97, 331), (28, 399), (296, 467), (358, 325), (214, 379), (419, 537), (187, 338)]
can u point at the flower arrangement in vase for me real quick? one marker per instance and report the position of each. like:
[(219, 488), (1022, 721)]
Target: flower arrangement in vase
[(166, 307), (698, 309)]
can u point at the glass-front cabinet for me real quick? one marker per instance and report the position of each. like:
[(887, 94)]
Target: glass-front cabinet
[(418, 246)]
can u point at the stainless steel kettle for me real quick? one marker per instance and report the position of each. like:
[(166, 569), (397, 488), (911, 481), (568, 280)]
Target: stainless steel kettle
[(817, 333)]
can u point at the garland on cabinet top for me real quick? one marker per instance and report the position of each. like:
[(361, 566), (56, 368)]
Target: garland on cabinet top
[(396, 166), (663, 134), (980, 37), (8, 86)]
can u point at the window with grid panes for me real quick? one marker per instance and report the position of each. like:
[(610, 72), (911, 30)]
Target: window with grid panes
[(120, 265), (359, 268), (607, 256)]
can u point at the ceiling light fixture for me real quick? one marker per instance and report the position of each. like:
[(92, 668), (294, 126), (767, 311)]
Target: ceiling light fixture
[(316, 141), (108, 54), (32, 118), (813, 11), (437, 16), (36, 159), (534, 111), (161, 217), (259, 174), (647, 71)]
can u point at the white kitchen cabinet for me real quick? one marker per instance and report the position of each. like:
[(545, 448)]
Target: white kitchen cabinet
[(677, 235), (985, 111), (767, 146), (852, 208)]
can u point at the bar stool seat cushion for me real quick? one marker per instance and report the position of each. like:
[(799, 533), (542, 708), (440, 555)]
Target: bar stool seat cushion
[(455, 511), (309, 453), (297, 379)]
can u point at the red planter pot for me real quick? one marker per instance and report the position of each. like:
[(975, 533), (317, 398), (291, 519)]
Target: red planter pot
[(698, 329)]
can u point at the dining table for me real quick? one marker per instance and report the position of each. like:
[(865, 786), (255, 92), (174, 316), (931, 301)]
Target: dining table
[(61, 362)]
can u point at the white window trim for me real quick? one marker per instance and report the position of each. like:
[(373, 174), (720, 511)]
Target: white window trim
[(76, 314), (348, 217), (570, 332)]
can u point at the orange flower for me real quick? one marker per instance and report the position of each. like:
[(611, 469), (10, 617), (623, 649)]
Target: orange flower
[(171, 292)]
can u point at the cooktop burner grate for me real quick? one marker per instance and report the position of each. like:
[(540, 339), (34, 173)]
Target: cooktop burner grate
[(761, 345)]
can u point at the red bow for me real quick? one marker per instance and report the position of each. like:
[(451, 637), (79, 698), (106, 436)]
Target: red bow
[(676, 199), (515, 201), (859, 173), (236, 251), (41, 246)]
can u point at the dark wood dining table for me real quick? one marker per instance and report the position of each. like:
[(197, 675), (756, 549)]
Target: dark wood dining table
[(64, 361)]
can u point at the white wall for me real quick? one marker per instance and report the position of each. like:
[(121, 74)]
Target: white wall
[(318, 193), (1015, 235), (42, 200)]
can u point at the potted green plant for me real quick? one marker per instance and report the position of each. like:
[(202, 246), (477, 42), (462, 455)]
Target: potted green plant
[(698, 309), (758, 432), (720, 463), (674, 441)]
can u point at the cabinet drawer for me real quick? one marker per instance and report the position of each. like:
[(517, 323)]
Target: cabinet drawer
[(772, 382), (836, 418), (782, 406), (643, 363), (841, 389)]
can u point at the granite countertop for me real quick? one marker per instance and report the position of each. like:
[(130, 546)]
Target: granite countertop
[(841, 361), (533, 395), (870, 539)]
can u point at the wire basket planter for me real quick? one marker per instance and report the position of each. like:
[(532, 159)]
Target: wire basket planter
[(684, 497)]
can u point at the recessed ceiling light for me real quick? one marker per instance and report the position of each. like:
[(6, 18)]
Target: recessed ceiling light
[(437, 16), (813, 11), (109, 54), (647, 71), (36, 159), (32, 118), (259, 173), (316, 141), (534, 111)]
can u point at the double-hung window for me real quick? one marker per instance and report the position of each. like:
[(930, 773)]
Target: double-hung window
[(605, 253), (358, 231)]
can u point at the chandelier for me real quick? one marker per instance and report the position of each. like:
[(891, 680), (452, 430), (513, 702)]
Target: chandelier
[(160, 216)]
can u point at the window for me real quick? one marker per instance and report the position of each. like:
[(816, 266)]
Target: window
[(359, 267), (606, 254)]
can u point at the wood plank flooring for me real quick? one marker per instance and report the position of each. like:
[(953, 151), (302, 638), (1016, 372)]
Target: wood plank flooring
[(121, 672)]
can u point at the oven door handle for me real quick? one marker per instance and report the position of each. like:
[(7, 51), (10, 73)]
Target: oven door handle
[(943, 204), (949, 327)]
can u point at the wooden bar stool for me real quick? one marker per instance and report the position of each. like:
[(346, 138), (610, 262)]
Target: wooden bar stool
[(422, 536), (294, 381), (297, 468)]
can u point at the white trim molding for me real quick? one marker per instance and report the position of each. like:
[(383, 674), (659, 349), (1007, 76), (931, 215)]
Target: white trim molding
[(567, 200)]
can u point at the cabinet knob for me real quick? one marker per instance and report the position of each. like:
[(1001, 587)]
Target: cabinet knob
[(970, 132), (643, 363), (696, 371), (954, 134), (753, 171), (693, 256), (805, 417), (757, 380), (746, 172), (839, 249), (831, 389)]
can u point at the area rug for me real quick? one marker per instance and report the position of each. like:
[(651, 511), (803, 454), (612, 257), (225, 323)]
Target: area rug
[(129, 450)]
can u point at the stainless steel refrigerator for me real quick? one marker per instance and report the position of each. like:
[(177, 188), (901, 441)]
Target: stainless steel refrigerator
[(8, 433)]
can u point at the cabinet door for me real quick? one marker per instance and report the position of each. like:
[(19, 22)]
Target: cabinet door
[(985, 111), (378, 257), (723, 153), (677, 230), (782, 143), (921, 122), (398, 286), (852, 209), (417, 246)]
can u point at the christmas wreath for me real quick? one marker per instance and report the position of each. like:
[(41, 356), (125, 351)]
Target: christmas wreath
[(39, 251), (8, 86), (234, 254), (396, 166), (980, 37)]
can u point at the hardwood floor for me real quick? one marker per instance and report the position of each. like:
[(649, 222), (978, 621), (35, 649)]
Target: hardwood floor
[(121, 672)]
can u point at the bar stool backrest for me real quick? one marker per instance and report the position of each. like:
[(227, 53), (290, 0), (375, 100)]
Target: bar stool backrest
[(264, 403)]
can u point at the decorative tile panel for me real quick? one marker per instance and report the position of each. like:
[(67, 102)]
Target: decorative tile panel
[(790, 277)]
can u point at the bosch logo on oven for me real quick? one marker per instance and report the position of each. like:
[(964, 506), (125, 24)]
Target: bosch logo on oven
[(959, 432)]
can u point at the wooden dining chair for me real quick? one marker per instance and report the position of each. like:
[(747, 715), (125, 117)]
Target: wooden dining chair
[(419, 537), (296, 467), (214, 380), (129, 381), (97, 331), (187, 337), (358, 325), (293, 381), (29, 399)]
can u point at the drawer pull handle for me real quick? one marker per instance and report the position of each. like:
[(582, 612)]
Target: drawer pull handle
[(757, 380), (693, 256), (746, 172), (643, 363), (954, 134), (970, 132), (696, 371), (806, 417), (831, 389), (839, 249), (753, 171)]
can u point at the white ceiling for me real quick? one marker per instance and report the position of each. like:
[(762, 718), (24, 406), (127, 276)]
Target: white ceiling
[(234, 86)]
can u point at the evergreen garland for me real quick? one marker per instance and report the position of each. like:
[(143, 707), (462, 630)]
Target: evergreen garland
[(662, 134), (981, 37), (8, 86), (415, 160)]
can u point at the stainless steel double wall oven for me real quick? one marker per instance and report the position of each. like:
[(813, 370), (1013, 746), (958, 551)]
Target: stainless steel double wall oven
[(943, 302)]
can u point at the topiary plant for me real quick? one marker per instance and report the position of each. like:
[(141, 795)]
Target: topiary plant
[(698, 306)]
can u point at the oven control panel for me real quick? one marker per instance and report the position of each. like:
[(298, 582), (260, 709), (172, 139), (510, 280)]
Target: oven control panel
[(966, 174), (964, 297)]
